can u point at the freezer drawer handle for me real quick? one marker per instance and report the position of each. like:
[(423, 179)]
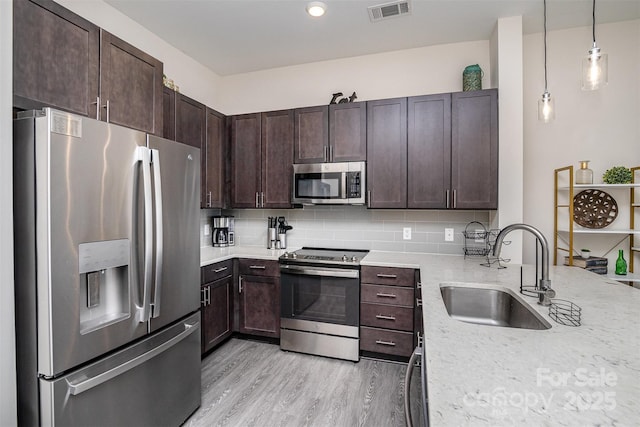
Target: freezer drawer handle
[(88, 384)]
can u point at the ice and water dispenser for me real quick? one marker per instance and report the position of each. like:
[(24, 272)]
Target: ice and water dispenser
[(104, 283)]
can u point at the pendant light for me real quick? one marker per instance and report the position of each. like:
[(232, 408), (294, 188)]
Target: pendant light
[(546, 110), (595, 65)]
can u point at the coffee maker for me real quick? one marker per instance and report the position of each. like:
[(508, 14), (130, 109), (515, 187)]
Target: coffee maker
[(223, 231)]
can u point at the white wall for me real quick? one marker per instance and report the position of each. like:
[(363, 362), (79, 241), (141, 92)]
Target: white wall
[(602, 126), (419, 71), (509, 77), (195, 80), (7, 319)]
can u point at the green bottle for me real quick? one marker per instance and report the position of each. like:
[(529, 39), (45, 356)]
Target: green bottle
[(621, 264)]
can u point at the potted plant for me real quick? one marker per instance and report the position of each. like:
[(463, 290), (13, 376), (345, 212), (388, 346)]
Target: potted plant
[(585, 253), (617, 175)]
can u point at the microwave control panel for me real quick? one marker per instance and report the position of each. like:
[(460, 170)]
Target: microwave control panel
[(354, 189)]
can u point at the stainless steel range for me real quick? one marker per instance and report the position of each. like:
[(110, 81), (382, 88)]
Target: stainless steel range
[(320, 304)]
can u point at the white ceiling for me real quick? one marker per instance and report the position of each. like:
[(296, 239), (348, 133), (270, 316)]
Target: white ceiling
[(237, 36)]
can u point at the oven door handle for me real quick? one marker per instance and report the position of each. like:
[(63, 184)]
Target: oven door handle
[(326, 272)]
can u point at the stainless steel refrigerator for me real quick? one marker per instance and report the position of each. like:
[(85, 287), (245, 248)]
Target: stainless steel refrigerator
[(107, 271)]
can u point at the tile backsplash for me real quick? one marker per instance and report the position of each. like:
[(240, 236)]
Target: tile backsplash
[(354, 227)]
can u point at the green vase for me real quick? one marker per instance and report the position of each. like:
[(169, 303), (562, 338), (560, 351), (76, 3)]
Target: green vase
[(621, 264)]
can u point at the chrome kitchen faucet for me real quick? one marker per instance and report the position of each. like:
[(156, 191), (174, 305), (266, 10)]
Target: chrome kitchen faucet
[(545, 293)]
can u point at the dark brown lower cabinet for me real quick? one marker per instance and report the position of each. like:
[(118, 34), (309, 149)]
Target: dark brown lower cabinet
[(258, 298), (387, 312), (217, 309), (216, 303)]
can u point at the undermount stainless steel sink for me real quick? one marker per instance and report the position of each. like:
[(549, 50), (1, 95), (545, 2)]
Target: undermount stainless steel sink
[(490, 306)]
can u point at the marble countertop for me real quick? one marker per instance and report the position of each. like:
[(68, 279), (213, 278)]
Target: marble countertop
[(495, 376), (211, 255)]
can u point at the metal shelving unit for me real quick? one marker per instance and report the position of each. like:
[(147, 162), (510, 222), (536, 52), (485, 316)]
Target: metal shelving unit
[(632, 234)]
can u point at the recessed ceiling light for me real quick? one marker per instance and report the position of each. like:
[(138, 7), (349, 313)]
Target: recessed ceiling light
[(316, 8)]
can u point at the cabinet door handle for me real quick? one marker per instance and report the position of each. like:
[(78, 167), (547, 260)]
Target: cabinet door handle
[(368, 198), (203, 297), (418, 302), (257, 267), (209, 199), (387, 276), (208, 295), (220, 270), (240, 284), (446, 195), (330, 153), (108, 109), (97, 103), (389, 343), (383, 295), (262, 199), (325, 154), (419, 285), (455, 201), (384, 317), (257, 205)]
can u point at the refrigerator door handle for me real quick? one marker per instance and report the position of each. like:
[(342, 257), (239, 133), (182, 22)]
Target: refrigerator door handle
[(144, 312), (85, 385), (157, 180)]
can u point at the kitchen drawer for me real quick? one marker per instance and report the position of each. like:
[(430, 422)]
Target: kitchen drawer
[(385, 341), (393, 295), (387, 276), (386, 316), (217, 271), (258, 267)]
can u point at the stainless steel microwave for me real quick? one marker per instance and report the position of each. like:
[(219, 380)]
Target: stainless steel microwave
[(329, 183)]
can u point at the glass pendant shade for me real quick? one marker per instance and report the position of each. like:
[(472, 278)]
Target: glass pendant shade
[(594, 69), (546, 110)]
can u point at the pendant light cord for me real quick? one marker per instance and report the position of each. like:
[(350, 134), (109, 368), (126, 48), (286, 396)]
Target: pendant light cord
[(593, 28), (545, 44)]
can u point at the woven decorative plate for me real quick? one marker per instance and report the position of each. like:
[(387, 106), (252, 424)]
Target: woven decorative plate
[(594, 208)]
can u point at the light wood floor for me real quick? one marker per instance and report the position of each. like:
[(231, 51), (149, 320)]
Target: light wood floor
[(247, 383)]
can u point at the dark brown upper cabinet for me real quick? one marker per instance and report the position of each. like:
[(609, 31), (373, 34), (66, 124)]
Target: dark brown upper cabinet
[(262, 157), (215, 155), (331, 133), (429, 151), (56, 58), (246, 160), (474, 149), (63, 61), (130, 85), (168, 113), (277, 158), (191, 128), (190, 121), (311, 134), (347, 132), (387, 153), (453, 151)]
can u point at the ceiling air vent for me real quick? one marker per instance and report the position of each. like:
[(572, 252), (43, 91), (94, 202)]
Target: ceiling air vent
[(384, 11)]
